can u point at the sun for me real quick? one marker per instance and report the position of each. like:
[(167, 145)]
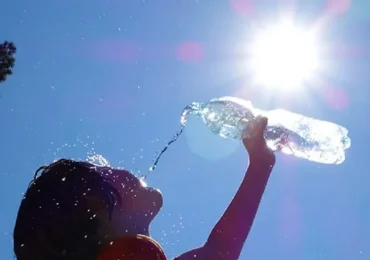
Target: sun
[(283, 56)]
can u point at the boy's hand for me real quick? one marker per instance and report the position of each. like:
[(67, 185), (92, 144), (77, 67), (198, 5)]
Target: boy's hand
[(254, 142)]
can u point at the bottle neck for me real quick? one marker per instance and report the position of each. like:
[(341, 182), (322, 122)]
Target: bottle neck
[(194, 108)]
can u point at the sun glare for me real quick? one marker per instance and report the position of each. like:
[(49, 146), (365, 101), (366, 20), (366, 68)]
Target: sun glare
[(283, 56)]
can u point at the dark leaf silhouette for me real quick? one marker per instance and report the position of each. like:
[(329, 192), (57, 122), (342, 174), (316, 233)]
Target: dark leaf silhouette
[(7, 60)]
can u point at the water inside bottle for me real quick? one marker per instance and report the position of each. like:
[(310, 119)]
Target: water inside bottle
[(305, 137)]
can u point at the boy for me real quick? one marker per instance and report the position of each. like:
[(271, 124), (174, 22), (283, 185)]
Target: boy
[(79, 211)]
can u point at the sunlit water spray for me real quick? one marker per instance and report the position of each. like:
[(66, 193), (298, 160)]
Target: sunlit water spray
[(98, 160), (192, 109)]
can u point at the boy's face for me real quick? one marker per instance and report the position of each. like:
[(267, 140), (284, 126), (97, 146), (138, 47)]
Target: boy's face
[(139, 203)]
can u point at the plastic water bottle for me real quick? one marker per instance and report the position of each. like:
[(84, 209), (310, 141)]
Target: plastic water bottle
[(291, 133)]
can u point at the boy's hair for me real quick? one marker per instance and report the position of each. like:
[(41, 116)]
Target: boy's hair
[(55, 219)]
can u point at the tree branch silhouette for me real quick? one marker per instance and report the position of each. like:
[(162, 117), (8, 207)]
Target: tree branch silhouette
[(7, 59)]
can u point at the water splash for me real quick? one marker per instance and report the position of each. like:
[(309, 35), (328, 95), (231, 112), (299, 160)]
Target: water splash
[(98, 160), (194, 108)]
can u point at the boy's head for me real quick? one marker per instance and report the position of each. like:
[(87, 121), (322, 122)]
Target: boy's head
[(73, 209)]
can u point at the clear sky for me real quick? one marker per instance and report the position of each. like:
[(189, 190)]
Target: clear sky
[(112, 76)]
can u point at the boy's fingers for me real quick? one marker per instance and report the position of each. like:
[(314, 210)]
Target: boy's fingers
[(261, 123)]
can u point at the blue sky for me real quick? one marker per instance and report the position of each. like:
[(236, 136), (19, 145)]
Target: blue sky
[(112, 76)]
